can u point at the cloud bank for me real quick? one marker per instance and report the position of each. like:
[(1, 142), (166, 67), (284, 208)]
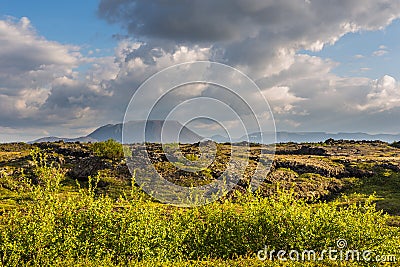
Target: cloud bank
[(52, 86)]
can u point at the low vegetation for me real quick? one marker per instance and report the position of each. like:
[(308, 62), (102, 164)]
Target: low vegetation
[(49, 218), (109, 149)]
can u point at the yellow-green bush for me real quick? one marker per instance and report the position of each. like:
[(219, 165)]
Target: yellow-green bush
[(52, 228), (109, 149)]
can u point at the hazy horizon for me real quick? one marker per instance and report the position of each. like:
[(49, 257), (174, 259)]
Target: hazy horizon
[(108, 131), (205, 136)]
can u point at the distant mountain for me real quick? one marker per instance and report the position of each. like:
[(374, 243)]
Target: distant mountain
[(83, 139), (109, 131), (172, 128), (219, 138), (314, 137), (134, 133)]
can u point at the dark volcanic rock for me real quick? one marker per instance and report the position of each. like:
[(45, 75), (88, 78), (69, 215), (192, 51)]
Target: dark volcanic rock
[(302, 168), (89, 166), (308, 150), (389, 166), (303, 150)]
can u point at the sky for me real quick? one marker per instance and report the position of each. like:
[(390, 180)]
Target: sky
[(68, 67)]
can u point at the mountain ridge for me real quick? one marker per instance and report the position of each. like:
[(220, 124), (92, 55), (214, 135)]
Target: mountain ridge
[(186, 135), (154, 128)]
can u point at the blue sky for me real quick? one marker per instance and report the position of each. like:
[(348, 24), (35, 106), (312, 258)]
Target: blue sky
[(68, 22), (67, 67), (349, 49)]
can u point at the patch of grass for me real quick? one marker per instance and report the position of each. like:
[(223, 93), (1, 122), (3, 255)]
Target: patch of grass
[(384, 185)]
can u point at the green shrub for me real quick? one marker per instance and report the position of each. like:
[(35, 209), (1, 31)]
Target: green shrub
[(192, 157), (109, 149), (395, 144)]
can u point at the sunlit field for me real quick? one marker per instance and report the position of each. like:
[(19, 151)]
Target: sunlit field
[(52, 220)]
